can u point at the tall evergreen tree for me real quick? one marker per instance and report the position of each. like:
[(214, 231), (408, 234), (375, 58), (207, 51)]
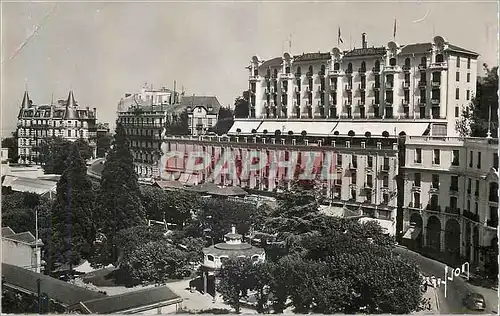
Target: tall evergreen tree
[(119, 202), (73, 230)]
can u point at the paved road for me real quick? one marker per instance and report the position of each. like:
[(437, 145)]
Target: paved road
[(457, 289)]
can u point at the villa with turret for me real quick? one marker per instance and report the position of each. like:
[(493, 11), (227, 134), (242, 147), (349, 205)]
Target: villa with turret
[(66, 119)]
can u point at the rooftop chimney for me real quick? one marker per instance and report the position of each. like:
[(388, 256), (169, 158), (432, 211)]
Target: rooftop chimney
[(363, 40)]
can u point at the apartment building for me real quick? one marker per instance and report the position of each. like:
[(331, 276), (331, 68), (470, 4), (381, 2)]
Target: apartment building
[(451, 195), (363, 169), (66, 119), (144, 115), (203, 112), (423, 82)]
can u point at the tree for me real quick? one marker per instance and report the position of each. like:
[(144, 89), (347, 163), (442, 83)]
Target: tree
[(103, 145), (224, 122), (178, 125), (235, 281), (219, 215), (18, 211), (11, 144), (73, 227), (119, 202), (157, 261), (241, 106), (54, 153), (475, 116)]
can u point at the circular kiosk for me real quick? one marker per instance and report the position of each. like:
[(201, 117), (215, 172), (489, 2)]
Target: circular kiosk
[(233, 246)]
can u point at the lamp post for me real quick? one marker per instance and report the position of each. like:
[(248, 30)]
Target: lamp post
[(37, 264)]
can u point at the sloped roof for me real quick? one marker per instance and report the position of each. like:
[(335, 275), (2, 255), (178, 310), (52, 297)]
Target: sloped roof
[(29, 185), (461, 50), (26, 237), (418, 48), (272, 62), (6, 231), (63, 292), (131, 300), (205, 101)]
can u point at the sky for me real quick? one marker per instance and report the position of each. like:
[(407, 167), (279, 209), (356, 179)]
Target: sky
[(102, 50)]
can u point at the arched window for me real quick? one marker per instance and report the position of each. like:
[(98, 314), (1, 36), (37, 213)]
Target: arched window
[(439, 58), (407, 62), (349, 67), (336, 66), (210, 258), (322, 69), (287, 69), (392, 61), (256, 71), (377, 65), (299, 71), (363, 66), (423, 61)]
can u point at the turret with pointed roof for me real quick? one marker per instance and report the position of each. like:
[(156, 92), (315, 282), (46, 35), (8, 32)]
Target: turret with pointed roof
[(71, 113), (26, 104)]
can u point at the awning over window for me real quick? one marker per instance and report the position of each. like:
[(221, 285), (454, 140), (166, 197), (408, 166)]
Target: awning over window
[(272, 126), (412, 233), (376, 129), (388, 226), (312, 128), (245, 126)]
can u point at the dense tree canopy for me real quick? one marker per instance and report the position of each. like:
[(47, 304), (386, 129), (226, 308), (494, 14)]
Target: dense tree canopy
[(54, 153), (11, 144), (330, 265), (18, 211), (119, 202), (475, 116), (73, 223), (241, 106), (178, 124)]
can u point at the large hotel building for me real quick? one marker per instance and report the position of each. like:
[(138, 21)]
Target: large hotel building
[(372, 109), (66, 119)]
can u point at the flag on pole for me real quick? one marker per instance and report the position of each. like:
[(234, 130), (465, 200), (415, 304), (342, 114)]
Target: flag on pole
[(394, 34), (339, 39)]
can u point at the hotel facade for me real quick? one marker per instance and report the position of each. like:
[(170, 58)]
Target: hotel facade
[(424, 82), (363, 112), (37, 123), (451, 196)]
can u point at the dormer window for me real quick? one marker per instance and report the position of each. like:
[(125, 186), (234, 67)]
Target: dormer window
[(287, 70), (336, 66), (349, 67), (439, 58), (407, 62), (423, 62), (392, 61)]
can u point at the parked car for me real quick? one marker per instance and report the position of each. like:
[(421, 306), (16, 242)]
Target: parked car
[(475, 301)]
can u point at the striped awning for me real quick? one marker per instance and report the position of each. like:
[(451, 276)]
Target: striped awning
[(412, 233)]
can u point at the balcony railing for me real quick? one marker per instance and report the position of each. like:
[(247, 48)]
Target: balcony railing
[(362, 70), (335, 72), (361, 87), (422, 67), (406, 68), (361, 103), (454, 189), (416, 205), (435, 83), (471, 216), (422, 83), (348, 87), (405, 103), (433, 208), (435, 101), (348, 103), (286, 76), (348, 71), (376, 86), (376, 70), (452, 210), (439, 65), (389, 85), (406, 85), (492, 222), (384, 168)]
